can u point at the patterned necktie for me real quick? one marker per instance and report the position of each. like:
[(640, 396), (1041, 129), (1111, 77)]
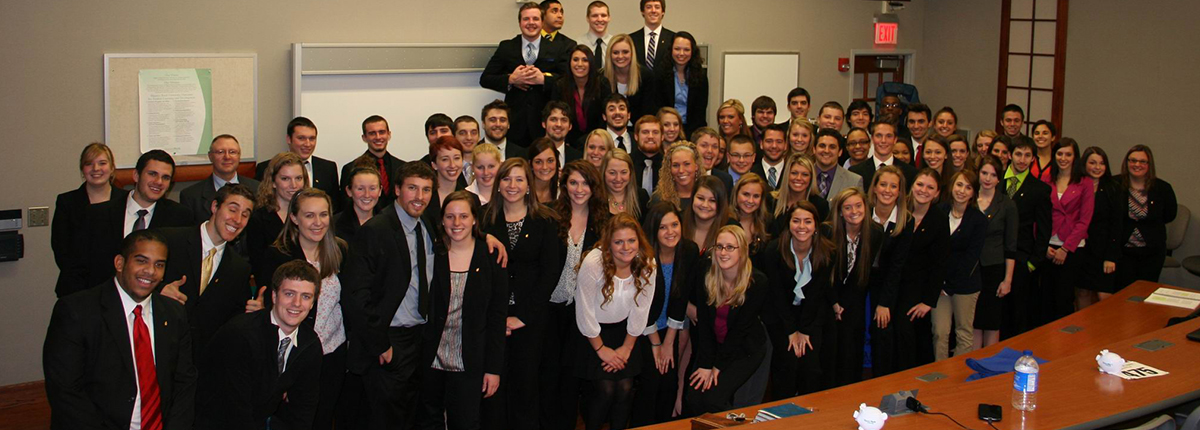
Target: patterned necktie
[(1012, 186), (771, 177), (282, 354), (206, 269), (529, 56), (599, 53), (140, 224), (383, 176), (147, 374), (650, 51), (823, 184)]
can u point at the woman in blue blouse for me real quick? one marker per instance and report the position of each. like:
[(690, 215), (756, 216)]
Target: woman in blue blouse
[(685, 88)]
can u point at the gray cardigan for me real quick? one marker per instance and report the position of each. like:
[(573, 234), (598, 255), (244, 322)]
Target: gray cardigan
[(1001, 239)]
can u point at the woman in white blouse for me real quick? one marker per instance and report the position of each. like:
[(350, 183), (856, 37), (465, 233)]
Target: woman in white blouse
[(614, 291)]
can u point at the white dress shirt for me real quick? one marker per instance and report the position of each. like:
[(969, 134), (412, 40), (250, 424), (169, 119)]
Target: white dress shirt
[(218, 182), (283, 335), (308, 167), (135, 420), (628, 140), (131, 209), (589, 313), (646, 43), (767, 170), (500, 145)]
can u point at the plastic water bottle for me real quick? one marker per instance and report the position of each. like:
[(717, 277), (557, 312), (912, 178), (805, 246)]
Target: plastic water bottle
[(1025, 383)]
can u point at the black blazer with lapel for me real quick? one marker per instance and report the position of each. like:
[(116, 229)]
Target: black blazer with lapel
[(1161, 209), (593, 110), (107, 224), (814, 309), (433, 212), (198, 197), (648, 98), (966, 243), (345, 223), (1112, 207), (1034, 221), (261, 231), (89, 363), (745, 337), (374, 280), (69, 236), (925, 269), (639, 165), (684, 281), (893, 256), (867, 168), (484, 311), (242, 387), (534, 265), (325, 177), (227, 291), (697, 99), (757, 169), (662, 53), (525, 106), (387, 194)]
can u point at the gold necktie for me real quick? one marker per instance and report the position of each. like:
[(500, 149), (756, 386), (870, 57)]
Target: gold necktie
[(206, 269)]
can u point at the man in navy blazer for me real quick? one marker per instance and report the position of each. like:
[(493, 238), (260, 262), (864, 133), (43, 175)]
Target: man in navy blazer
[(521, 68), (225, 153), (653, 12), (100, 338), (302, 140)]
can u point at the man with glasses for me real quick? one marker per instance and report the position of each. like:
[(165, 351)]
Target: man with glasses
[(225, 153), (741, 156)]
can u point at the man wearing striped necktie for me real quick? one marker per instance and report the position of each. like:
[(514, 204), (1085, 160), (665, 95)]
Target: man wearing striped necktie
[(652, 43)]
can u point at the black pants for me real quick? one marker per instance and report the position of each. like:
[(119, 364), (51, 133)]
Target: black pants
[(850, 333), (790, 375), (450, 399), (1059, 282), (912, 340), (333, 375), (391, 388), (515, 404), (654, 392), (559, 390), (720, 397), (1139, 264), (1016, 305)]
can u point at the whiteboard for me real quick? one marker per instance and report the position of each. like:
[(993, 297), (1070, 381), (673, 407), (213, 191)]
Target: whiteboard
[(339, 103), (748, 75)]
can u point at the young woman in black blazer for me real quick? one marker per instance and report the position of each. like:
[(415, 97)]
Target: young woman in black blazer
[(308, 235), (730, 338), (998, 258), (363, 189), (751, 206), (968, 228), (1150, 205), (678, 259), (626, 75), (615, 291), (708, 212), (1104, 247), (923, 275), (800, 267), (857, 241), (285, 176), (685, 87), (886, 199), (530, 235), (68, 230), (584, 91), (463, 347), (581, 210), (797, 184), (623, 193)]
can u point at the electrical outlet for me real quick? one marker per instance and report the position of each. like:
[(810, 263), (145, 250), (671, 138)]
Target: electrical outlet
[(39, 216)]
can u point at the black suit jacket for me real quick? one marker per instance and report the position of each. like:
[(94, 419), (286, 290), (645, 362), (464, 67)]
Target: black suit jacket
[(69, 236), (1161, 209), (325, 177), (1034, 221), (925, 269), (227, 291), (91, 381), (534, 265), (345, 223), (888, 268), (242, 387), (107, 225), (662, 53), (1108, 217), (757, 168), (697, 99), (387, 194), (867, 168), (723, 175), (745, 337), (639, 165), (525, 106), (966, 243), (198, 197), (685, 277), (374, 280), (261, 231), (484, 311), (814, 308), (593, 110)]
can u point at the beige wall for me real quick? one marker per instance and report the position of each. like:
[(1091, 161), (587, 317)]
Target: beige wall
[(52, 96)]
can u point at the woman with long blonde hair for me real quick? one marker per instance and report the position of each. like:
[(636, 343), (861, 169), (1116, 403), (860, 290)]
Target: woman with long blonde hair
[(731, 119), (750, 207), (798, 184), (678, 175), (627, 76), (623, 194), (857, 241)]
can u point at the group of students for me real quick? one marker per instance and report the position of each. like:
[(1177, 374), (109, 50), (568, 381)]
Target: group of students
[(582, 251)]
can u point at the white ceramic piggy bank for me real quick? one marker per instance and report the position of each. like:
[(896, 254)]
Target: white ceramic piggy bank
[(1110, 362), (869, 418)]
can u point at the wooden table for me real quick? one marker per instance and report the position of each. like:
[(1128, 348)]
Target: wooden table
[(1072, 391)]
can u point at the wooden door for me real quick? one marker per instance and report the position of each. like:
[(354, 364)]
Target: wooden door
[(871, 71)]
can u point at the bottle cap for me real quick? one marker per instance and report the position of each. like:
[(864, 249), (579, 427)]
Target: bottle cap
[(1027, 352)]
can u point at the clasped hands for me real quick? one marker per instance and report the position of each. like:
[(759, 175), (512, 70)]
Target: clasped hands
[(524, 77)]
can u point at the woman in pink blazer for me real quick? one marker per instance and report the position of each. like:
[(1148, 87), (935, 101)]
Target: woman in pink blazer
[(1072, 202)]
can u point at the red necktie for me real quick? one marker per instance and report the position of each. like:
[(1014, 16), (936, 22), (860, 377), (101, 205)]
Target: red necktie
[(147, 376), (383, 176)]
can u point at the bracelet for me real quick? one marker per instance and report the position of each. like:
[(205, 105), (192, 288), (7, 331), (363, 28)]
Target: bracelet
[(601, 347), (655, 344)]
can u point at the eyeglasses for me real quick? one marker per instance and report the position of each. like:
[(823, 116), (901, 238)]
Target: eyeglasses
[(232, 152), (858, 142), (1137, 161), (725, 248), (740, 156)]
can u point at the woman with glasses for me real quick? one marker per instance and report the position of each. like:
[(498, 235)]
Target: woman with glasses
[(858, 147), (1151, 204)]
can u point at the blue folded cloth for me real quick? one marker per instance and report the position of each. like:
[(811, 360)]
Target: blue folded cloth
[(999, 364)]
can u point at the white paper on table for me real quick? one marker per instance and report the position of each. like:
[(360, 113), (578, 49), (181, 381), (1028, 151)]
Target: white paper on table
[(1133, 370), (1173, 297), (174, 110)]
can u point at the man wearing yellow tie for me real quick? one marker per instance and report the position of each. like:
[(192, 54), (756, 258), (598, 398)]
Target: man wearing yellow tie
[(552, 22), (212, 284)]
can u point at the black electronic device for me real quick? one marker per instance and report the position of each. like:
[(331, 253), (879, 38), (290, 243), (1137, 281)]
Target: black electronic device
[(12, 246), (1194, 336), (991, 413)]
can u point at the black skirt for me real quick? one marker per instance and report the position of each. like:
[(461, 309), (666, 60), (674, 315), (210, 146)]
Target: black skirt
[(1093, 277), (613, 336), (989, 309)]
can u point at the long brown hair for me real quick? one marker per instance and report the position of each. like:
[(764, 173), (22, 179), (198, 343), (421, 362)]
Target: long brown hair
[(902, 212), (689, 216), (266, 188), (630, 197), (642, 266), (597, 203), (329, 249), (862, 263), (761, 217), (496, 203), (821, 247)]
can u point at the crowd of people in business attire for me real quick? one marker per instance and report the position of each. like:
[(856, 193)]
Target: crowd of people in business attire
[(588, 247)]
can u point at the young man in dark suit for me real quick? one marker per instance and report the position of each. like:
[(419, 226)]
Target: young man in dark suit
[(657, 59), (883, 137), (552, 22), (302, 141), (774, 149), (616, 121), (376, 134), (648, 158), (118, 355), (709, 146), (495, 130), (1032, 197), (211, 282), (145, 207), (225, 153), (521, 68), (263, 369), (557, 125)]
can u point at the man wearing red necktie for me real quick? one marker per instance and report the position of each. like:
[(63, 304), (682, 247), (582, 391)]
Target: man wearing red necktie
[(120, 355)]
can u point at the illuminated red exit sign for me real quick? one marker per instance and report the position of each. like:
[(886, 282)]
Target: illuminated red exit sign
[(886, 32)]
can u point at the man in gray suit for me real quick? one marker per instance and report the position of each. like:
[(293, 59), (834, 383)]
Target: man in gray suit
[(832, 178), (225, 153)]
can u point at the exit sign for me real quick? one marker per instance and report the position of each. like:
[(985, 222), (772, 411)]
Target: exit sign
[(885, 33)]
